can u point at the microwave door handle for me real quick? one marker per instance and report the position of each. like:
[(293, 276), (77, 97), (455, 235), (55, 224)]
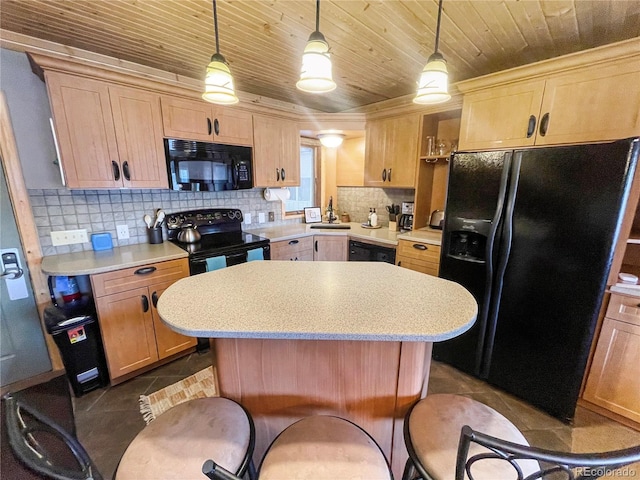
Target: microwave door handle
[(236, 176)]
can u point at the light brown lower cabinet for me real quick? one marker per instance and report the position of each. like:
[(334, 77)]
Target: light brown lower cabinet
[(614, 378), (421, 257), (133, 334), (297, 249), (330, 248)]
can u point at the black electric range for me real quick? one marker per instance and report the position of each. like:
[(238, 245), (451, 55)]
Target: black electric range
[(221, 235)]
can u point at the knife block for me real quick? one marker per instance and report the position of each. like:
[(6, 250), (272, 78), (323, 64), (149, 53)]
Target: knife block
[(393, 226)]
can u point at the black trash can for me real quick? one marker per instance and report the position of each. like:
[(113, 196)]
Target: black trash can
[(77, 334)]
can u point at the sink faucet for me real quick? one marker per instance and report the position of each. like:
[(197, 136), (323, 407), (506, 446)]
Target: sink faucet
[(330, 210)]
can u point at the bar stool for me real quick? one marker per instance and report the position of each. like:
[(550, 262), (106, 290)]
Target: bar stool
[(455, 437), (432, 432), (174, 445), (318, 448)]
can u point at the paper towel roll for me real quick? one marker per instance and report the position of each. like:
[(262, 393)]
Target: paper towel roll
[(276, 194)]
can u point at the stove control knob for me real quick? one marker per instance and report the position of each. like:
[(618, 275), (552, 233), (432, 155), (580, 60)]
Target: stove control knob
[(171, 220)]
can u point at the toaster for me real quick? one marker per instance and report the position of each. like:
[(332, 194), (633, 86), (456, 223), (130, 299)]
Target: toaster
[(437, 219)]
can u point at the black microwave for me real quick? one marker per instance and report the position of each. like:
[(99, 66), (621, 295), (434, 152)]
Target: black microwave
[(203, 166)]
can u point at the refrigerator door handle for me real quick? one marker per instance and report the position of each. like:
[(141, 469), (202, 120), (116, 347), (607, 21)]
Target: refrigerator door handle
[(491, 261), (501, 268)]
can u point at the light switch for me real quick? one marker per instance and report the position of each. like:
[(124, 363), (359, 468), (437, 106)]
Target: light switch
[(247, 219), (261, 217)]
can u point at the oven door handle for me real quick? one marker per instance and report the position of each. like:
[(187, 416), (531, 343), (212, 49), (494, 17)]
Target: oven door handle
[(237, 255), (231, 255)]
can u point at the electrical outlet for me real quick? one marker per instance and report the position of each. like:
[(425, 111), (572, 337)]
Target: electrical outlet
[(247, 219), (69, 237), (272, 216), (261, 217), (122, 231)]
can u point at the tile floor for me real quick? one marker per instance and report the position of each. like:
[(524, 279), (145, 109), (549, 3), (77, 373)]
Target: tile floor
[(108, 419)]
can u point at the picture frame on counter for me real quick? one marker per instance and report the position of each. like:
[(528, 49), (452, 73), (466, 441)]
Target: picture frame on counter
[(312, 215)]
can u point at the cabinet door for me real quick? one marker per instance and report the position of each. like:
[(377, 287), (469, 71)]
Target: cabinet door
[(276, 148), (232, 126), (290, 153), (402, 151), (614, 378), (350, 163), (500, 117), (330, 248), (188, 119), (168, 341), (374, 164), (592, 104), (84, 129), (137, 119), (126, 323)]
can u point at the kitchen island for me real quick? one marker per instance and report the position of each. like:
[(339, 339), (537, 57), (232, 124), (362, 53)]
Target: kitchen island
[(294, 339)]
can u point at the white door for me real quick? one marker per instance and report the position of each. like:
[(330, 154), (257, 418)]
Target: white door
[(23, 351)]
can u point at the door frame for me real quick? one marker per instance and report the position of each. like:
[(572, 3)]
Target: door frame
[(28, 233)]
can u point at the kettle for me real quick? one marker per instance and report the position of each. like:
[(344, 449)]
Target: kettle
[(437, 219), (189, 234)]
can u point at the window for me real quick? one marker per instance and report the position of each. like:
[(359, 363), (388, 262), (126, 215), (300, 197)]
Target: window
[(308, 193)]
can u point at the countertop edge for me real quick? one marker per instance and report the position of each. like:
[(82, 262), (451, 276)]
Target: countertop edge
[(90, 262)]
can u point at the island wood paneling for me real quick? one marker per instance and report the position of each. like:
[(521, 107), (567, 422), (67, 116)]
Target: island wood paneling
[(378, 48), (280, 381)]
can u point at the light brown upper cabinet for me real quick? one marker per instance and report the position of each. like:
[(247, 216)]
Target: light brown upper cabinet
[(199, 120), (592, 103), (108, 136), (350, 163), (391, 152), (276, 152)]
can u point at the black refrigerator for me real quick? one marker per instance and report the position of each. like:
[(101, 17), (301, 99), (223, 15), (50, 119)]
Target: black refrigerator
[(531, 234)]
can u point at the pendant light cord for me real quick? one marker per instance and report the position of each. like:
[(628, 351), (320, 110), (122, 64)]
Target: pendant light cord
[(437, 26), (318, 15), (215, 24)]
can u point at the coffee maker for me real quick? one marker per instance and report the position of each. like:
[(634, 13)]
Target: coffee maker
[(406, 216)]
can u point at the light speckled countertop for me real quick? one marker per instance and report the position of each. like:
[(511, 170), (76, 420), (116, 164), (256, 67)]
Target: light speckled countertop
[(90, 262), (318, 300), (379, 235)]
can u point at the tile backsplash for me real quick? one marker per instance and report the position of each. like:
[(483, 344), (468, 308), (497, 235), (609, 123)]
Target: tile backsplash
[(102, 210), (356, 201)]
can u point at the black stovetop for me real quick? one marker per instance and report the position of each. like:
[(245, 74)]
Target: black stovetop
[(220, 230)]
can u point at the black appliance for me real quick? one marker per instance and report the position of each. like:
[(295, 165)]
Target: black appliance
[(531, 234), (367, 252), (75, 330), (212, 167), (406, 222), (221, 235)]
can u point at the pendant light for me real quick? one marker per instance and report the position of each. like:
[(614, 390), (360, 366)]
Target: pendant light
[(315, 74), (218, 83), (433, 84)]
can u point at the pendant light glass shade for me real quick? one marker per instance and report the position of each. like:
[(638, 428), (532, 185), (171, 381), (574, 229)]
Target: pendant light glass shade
[(331, 140), (218, 82), (433, 86), (315, 74)]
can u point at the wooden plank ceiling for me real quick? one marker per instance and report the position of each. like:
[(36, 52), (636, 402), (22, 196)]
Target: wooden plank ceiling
[(378, 47)]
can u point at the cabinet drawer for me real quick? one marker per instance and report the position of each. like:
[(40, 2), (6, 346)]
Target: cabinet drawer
[(626, 309), (287, 249), (419, 251), (430, 268), (136, 277)]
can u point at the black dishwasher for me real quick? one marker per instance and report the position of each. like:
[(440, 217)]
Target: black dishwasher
[(367, 252)]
